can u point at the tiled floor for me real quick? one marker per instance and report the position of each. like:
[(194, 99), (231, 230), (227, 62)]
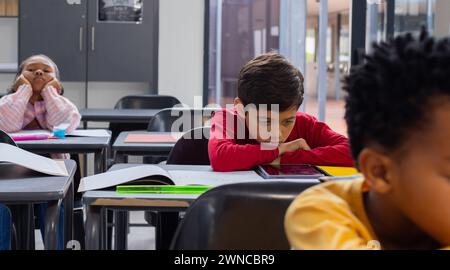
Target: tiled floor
[(139, 238)]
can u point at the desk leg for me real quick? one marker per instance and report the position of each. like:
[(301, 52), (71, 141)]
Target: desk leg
[(121, 230), (51, 225), (93, 227), (68, 215), (23, 221), (120, 158), (84, 156), (99, 161), (108, 232), (108, 216), (105, 153), (106, 237), (166, 226)]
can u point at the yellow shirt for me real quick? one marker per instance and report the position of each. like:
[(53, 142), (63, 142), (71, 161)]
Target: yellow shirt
[(330, 216)]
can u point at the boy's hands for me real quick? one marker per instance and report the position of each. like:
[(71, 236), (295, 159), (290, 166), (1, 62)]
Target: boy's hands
[(299, 144), (276, 162)]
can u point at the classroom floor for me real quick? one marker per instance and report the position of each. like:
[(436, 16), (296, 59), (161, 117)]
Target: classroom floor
[(139, 238)]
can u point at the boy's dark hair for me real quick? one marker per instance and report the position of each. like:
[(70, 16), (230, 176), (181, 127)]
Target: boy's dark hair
[(271, 79), (391, 95)]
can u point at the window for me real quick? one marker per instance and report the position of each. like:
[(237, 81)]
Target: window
[(246, 28), (411, 15)]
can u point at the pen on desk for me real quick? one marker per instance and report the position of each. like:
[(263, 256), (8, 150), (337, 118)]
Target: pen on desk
[(30, 138)]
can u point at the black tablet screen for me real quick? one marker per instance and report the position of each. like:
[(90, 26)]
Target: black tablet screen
[(291, 170)]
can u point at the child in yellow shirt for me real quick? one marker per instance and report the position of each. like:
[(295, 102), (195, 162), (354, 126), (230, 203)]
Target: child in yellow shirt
[(398, 117)]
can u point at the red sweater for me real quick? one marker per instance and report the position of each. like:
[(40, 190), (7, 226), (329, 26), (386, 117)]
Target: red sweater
[(227, 153)]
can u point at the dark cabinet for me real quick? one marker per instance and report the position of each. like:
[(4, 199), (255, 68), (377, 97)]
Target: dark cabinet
[(89, 46), (56, 29)]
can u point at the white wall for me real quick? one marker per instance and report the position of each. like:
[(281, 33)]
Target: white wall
[(106, 94), (6, 80), (8, 49), (181, 28), (9, 40), (442, 19)]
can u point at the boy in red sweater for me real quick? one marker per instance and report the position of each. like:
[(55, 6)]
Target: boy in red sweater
[(264, 126)]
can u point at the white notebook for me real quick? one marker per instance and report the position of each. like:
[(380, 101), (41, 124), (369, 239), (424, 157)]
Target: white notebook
[(15, 155)]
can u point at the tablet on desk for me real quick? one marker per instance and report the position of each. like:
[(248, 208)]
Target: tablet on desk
[(298, 171)]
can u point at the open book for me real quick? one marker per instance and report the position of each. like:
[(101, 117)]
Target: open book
[(15, 155), (153, 174)]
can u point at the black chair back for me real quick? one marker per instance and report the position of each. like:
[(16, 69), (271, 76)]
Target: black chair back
[(178, 119), (5, 138), (191, 149), (146, 102), (189, 118), (244, 216), (139, 102)]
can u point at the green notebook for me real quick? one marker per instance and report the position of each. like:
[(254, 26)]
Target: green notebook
[(161, 189)]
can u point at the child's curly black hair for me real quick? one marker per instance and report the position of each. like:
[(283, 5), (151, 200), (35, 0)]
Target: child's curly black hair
[(389, 96)]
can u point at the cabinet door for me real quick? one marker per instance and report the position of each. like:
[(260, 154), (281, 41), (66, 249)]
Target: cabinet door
[(123, 41), (56, 28)]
